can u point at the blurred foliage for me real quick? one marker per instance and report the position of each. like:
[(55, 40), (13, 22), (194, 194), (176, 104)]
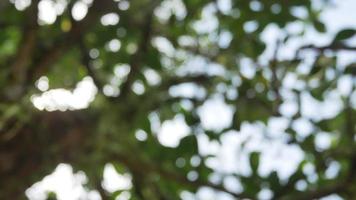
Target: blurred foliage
[(173, 42)]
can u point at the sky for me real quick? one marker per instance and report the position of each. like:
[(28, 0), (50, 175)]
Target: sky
[(214, 113)]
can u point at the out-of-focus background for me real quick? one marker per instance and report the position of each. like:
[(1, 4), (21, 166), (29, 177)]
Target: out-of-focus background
[(177, 99)]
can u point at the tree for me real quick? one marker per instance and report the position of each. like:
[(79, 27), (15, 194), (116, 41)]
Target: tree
[(137, 53)]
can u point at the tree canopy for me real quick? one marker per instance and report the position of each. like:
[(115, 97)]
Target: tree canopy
[(228, 96)]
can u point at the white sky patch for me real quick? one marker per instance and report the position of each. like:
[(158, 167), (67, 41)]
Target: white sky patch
[(188, 90), (111, 90), (187, 195), (303, 127), (66, 184), (114, 181), (206, 193), (345, 85), (353, 99), (138, 87), (47, 12), (269, 36), (332, 197), (215, 114), (329, 16), (199, 65), (208, 22), (340, 15), (276, 127), (232, 158), (60, 6), (123, 4), (333, 170), (80, 10), (141, 135), (62, 99), (280, 157), (265, 194), (323, 141), (113, 45), (288, 108), (299, 11), (152, 77), (316, 110), (250, 26), (207, 147), (332, 105), (334, 19), (247, 68), (169, 8), (291, 81), (21, 4), (310, 171), (172, 131), (121, 70), (231, 153), (232, 184), (186, 40), (42, 83), (225, 39), (224, 6), (69, 186), (275, 154), (164, 46), (110, 19)]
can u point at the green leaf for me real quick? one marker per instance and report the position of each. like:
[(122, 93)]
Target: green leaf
[(188, 145), (115, 194), (319, 26), (333, 124), (315, 69), (274, 181), (351, 69), (344, 34), (254, 161), (51, 196)]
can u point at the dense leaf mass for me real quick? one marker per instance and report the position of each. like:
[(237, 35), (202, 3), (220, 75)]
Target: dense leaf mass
[(182, 96)]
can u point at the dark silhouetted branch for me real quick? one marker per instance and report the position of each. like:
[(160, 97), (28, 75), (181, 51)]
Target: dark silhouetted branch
[(136, 58), (134, 164), (316, 193), (67, 41), (331, 47), (86, 61)]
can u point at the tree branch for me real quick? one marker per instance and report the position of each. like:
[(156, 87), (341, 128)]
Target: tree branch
[(86, 61), (52, 54), (316, 193), (169, 175), (22, 59), (331, 47), (136, 59)]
